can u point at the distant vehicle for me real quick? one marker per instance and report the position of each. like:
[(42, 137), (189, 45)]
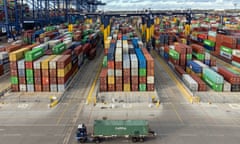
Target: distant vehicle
[(137, 130)]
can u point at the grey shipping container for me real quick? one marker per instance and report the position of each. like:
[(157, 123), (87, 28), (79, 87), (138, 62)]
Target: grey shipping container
[(22, 88), (30, 88), (54, 88), (21, 72)]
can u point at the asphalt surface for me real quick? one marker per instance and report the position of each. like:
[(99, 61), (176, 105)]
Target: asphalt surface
[(176, 120)]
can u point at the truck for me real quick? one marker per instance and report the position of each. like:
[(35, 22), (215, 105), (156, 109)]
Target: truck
[(137, 130)]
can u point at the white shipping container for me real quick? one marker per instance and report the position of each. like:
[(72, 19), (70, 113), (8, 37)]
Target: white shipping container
[(46, 39), (201, 64), (52, 43), (53, 62), (140, 44), (37, 63), (190, 82), (134, 61), (22, 88), (118, 72), (150, 79), (126, 61), (61, 87), (119, 44), (30, 88), (110, 72), (3, 55), (118, 55), (44, 46), (68, 43), (134, 71), (207, 56), (236, 52), (226, 86), (53, 88), (21, 64)]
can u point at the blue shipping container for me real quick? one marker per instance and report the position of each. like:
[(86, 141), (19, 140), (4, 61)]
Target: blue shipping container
[(209, 47), (207, 62), (166, 56), (194, 66)]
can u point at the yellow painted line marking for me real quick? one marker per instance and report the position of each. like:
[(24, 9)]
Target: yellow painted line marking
[(186, 95), (89, 97)]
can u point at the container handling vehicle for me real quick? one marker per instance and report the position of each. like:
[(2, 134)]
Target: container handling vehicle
[(137, 130)]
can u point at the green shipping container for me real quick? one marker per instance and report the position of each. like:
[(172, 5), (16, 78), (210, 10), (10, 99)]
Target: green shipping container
[(174, 54), (198, 56), (226, 49), (214, 86), (29, 73), (236, 64), (104, 62), (142, 72), (209, 43), (234, 71), (34, 54), (213, 76), (14, 80), (59, 48), (30, 80), (120, 128), (189, 56), (142, 87)]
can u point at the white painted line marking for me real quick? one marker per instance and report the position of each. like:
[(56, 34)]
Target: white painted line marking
[(2, 129), (12, 135), (235, 106), (23, 106), (188, 135)]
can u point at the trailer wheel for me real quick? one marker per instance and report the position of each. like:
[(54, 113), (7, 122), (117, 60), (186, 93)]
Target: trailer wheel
[(97, 140), (134, 139), (141, 139)]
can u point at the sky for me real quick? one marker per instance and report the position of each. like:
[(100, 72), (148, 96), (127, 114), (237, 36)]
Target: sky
[(169, 4)]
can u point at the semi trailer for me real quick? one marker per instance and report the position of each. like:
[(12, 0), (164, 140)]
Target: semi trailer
[(137, 130)]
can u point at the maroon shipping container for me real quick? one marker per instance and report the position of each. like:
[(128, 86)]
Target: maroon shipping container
[(182, 59), (52, 73), (237, 59), (22, 80), (197, 48), (134, 80), (119, 79), (45, 73), (150, 72), (13, 65), (14, 72), (103, 88), (78, 50), (38, 88), (173, 61), (179, 70), (213, 62), (14, 88), (119, 87), (63, 80), (150, 87), (180, 48), (63, 61), (202, 86), (229, 76), (1, 70), (67, 52), (45, 88), (53, 80), (118, 65), (38, 80), (126, 72), (126, 79), (229, 45), (28, 64), (86, 47), (37, 73), (142, 80), (111, 87), (134, 87), (103, 77)]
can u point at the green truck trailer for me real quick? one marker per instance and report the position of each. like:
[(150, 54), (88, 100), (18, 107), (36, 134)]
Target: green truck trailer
[(137, 130)]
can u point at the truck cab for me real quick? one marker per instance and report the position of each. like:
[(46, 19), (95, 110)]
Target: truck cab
[(81, 133)]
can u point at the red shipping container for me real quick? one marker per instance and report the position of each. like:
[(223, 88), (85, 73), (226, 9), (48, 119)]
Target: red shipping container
[(202, 86), (45, 73), (14, 72), (67, 52), (63, 61), (119, 87), (13, 65), (45, 88), (126, 79), (134, 80), (53, 80), (45, 80), (126, 72), (78, 50), (12, 48), (183, 59), (28, 65), (237, 59), (142, 80), (150, 72), (37, 73), (38, 80), (103, 88), (211, 38), (111, 87), (118, 65), (22, 80), (197, 48), (179, 70), (110, 64), (119, 80), (180, 48), (86, 47), (229, 76), (38, 88), (134, 87), (173, 61), (14, 88), (53, 73), (150, 87), (229, 45)]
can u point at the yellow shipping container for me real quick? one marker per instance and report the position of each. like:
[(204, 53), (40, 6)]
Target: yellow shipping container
[(188, 70), (125, 42), (63, 72), (107, 43), (16, 55), (45, 62), (126, 87), (111, 80), (43, 35)]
